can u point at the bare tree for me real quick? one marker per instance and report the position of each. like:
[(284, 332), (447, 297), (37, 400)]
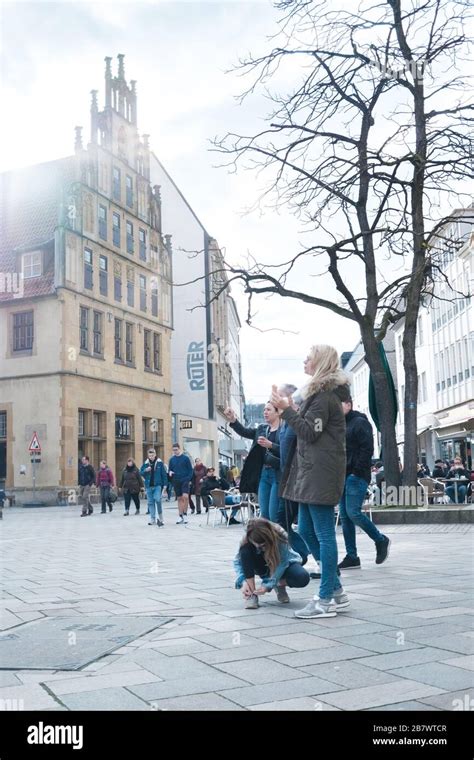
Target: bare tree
[(371, 149)]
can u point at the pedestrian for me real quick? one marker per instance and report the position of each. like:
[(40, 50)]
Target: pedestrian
[(199, 472), (261, 471), (105, 482), (265, 551), (155, 478), (315, 471), (439, 469), (131, 483), (288, 510), (180, 470), (86, 481), (359, 451), (459, 473)]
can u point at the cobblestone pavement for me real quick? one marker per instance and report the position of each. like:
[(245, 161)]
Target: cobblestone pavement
[(406, 643)]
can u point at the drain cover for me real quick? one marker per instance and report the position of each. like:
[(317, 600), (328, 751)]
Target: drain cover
[(69, 643)]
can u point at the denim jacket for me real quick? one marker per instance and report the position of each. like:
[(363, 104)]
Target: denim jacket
[(287, 557)]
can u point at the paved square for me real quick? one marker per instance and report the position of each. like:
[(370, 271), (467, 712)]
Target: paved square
[(404, 644)]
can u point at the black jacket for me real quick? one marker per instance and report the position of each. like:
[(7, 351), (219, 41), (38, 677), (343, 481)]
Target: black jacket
[(439, 472), (359, 445), (251, 471), (131, 480), (209, 483), (459, 472), (86, 475)]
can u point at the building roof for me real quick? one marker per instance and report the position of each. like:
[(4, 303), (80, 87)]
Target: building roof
[(30, 201)]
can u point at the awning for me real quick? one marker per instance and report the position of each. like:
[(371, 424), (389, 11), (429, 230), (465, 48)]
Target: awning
[(423, 430), (455, 434)]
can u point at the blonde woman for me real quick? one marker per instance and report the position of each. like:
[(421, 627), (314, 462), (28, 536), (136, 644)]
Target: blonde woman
[(316, 467), (265, 551)]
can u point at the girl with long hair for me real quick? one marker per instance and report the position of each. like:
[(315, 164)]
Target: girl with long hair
[(265, 551)]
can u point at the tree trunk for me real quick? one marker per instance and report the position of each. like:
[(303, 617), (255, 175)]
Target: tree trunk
[(385, 408)]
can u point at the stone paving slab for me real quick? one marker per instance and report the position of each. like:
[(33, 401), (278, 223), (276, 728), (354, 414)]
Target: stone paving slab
[(299, 687), (437, 674), (196, 702), (104, 699), (350, 674), (375, 696)]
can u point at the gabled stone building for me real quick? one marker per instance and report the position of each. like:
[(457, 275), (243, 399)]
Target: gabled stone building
[(85, 303)]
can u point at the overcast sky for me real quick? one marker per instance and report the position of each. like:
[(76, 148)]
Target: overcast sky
[(179, 52)]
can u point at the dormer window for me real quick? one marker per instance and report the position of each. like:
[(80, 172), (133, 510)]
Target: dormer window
[(31, 264)]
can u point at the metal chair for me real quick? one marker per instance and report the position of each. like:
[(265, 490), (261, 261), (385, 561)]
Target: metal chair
[(430, 492)]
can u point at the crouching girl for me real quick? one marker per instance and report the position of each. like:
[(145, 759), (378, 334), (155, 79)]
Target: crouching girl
[(265, 551)]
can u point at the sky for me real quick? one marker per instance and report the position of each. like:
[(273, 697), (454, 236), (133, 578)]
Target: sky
[(180, 54)]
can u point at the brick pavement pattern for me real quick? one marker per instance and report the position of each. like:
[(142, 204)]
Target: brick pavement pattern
[(406, 643)]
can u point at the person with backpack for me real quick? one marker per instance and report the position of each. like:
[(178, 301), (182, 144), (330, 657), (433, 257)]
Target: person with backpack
[(105, 482)]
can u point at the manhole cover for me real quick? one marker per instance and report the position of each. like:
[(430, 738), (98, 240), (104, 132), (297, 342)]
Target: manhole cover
[(66, 643)]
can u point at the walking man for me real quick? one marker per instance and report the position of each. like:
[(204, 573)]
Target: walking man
[(359, 451), (155, 477), (86, 480), (180, 470)]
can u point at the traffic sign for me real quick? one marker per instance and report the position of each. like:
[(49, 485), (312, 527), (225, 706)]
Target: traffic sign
[(35, 446)]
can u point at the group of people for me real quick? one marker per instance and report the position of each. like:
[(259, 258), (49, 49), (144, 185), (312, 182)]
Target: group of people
[(457, 477), (154, 477), (313, 452)]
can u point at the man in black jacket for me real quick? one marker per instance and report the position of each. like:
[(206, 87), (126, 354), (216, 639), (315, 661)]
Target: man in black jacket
[(86, 481), (359, 451)]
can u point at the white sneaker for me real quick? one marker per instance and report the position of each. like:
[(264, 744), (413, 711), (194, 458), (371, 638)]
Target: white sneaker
[(185, 519), (179, 520), (317, 608), (341, 600)]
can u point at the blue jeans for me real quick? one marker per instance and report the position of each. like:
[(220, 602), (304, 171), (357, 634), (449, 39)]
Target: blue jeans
[(285, 519), (451, 492), (317, 527), (154, 500), (268, 499), (350, 512)]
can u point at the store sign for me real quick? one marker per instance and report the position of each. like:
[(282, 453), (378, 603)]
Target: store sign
[(195, 365), (185, 424)]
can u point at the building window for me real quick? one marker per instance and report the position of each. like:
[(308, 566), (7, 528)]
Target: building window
[(156, 352), (142, 292), (130, 237), (131, 294), (129, 186), (82, 423), (116, 191), (118, 339), (88, 269), (103, 222), (103, 276), (98, 332), (117, 288), (3, 424), (31, 264), (147, 347), (116, 229), (154, 256), (84, 329), (129, 343), (123, 427), (154, 296), (96, 424), (142, 244), (23, 331)]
